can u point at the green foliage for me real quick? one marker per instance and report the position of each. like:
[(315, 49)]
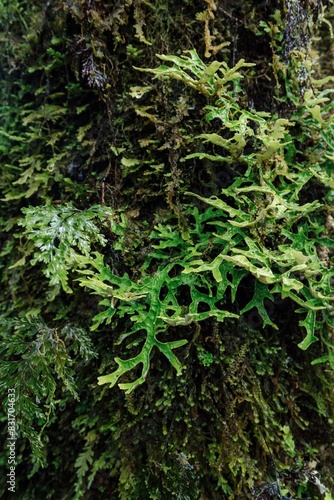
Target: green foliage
[(263, 229), (257, 232), (197, 206), (205, 357), (154, 302), (61, 235), (37, 363), (210, 80), (293, 268)]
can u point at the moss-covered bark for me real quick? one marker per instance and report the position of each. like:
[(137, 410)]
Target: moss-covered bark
[(106, 153)]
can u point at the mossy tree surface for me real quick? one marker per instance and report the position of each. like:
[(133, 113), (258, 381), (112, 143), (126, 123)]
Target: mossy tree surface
[(167, 248)]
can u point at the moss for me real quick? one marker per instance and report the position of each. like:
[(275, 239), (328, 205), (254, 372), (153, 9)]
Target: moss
[(251, 413)]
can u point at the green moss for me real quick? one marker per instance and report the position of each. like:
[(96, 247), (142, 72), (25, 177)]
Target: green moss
[(196, 197)]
